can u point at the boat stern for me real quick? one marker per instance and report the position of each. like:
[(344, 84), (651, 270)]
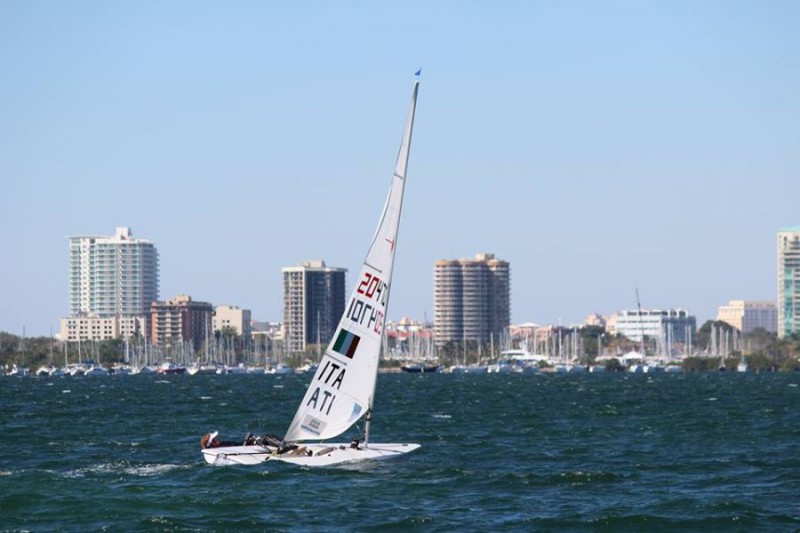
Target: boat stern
[(237, 455)]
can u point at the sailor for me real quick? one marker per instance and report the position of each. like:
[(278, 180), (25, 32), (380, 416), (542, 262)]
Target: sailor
[(210, 440), (354, 443)]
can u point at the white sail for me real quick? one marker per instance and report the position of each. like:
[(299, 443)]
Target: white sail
[(343, 386)]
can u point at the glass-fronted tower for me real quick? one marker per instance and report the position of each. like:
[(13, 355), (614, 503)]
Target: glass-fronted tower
[(788, 281), (313, 302), (112, 276)]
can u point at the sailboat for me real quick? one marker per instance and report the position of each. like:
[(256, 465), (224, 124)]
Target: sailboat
[(342, 390)]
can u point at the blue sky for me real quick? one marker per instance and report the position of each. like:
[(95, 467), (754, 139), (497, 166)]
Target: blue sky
[(596, 146)]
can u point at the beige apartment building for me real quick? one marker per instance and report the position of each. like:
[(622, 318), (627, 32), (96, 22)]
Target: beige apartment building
[(229, 316), (472, 299), (748, 315), (83, 328)]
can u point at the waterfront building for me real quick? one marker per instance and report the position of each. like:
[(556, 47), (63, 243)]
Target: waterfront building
[(407, 325), (748, 315), (272, 330), (409, 339), (655, 323), (97, 328), (596, 320), (788, 281), (471, 299), (112, 281), (524, 331), (611, 324), (263, 335), (112, 276), (180, 319), (313, 302), (229, 316)]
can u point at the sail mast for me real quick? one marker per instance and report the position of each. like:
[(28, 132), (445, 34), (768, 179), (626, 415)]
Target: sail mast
[(400, 173), (401, 167), (641, 323)]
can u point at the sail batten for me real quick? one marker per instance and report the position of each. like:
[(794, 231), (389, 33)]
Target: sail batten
[(343, 386)]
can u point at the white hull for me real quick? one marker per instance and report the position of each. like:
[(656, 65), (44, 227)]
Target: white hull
[(202, 369), (281, 369), (237, 455), (338, 453), (321, 454)]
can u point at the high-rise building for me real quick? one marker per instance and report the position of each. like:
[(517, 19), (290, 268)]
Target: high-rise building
[(112, 276), (471, 299), (180, 319), (749, 315), (313, 302), (112, 282), (788, 281)]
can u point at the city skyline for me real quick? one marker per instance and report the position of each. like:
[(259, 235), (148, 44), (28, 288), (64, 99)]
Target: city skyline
[(596, 148)]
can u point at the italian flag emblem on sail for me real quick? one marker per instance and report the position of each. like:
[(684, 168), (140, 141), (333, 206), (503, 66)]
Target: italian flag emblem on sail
[(346, 343)]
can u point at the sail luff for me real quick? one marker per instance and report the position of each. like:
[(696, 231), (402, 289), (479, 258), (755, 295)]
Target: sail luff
[(341, 391), (405, 146), (400, 169)]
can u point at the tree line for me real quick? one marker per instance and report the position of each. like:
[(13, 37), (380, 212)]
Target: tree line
[(762, 350)]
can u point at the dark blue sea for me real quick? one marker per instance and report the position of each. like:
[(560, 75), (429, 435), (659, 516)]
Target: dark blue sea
[(518, 452)]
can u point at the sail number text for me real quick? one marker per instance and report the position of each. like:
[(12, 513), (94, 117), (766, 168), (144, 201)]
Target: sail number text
[(331, 376), (371, 311), (373, 288)]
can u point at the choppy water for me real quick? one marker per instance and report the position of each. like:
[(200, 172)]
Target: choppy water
[(500, 452)]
